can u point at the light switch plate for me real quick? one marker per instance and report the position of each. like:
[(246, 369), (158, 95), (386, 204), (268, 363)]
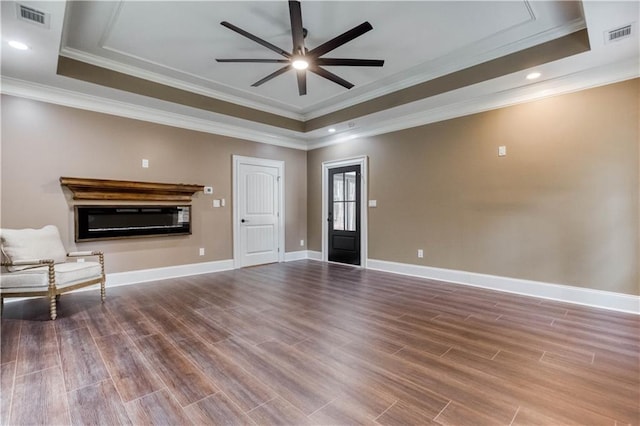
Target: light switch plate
[(502, 151), (373, 203), (216, 203)]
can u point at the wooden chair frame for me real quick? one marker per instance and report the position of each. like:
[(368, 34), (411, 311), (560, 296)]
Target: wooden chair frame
[(52, 291)]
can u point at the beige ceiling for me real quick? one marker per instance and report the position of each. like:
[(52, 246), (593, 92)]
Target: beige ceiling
[(439, 55)]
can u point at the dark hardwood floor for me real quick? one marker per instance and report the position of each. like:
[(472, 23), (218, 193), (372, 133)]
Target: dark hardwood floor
[(311, 343)]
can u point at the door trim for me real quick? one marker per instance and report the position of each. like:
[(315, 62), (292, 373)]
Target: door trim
[(326, 166), (237, 160)]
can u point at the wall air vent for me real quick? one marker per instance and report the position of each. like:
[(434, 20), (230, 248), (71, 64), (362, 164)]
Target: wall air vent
[(618, 33), (32, 15)]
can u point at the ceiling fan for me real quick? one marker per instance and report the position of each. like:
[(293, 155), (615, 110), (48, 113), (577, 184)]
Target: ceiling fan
[(302, 59)]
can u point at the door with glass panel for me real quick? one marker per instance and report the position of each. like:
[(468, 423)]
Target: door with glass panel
[(344, 215)]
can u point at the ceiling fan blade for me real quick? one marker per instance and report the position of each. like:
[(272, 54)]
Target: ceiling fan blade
[(297, 33), (330, 76), (338, 41), (259, 61), (256, 39), (302, 82), (272, 75), (349, 62)]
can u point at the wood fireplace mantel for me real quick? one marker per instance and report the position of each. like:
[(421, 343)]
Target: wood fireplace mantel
[(107, 189)]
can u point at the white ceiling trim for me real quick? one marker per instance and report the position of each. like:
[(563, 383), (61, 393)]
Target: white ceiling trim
[(583, 80), (445, 65), (173, 82), (54, 95)]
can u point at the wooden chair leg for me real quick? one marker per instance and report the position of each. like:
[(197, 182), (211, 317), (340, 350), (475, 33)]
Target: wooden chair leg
[(52, 308), (103, 293), (1, 305)]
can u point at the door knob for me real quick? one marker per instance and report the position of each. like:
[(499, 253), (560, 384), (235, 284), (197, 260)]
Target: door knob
[(244, 220)]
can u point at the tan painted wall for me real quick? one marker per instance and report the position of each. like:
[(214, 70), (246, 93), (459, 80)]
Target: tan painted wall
[(561, 207), (41, 142)]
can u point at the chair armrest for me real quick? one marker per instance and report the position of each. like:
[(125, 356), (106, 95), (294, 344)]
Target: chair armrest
[(84, 253), (90, 253), (29, 262)]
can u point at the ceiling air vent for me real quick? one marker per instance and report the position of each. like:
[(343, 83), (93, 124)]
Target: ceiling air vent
[(618, 33), (33, 16)]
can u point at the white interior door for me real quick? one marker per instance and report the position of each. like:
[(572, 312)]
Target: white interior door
[(258, 223)]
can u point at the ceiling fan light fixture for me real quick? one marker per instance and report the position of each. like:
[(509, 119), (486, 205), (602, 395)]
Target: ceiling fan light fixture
[(300, 64), (533, 75), (297, 58)]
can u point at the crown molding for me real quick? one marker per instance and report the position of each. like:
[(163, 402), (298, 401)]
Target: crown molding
[(373, 125), (377, 124), (58, 96)]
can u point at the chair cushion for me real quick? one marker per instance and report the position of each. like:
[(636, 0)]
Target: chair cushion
[(37, 279), (28, 244)]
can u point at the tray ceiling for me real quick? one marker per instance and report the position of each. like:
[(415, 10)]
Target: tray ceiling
[(160, 55)]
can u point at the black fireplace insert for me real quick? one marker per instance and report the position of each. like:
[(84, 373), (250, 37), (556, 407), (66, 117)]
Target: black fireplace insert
[(109, 222)]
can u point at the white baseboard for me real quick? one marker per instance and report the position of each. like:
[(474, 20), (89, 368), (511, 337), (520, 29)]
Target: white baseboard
[(315, 255), (296, 255), (564, 293), (155, 274)]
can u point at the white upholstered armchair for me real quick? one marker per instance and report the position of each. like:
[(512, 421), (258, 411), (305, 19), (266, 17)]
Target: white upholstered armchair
[(35, 263)]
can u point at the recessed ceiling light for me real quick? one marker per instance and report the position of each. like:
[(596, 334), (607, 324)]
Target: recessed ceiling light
[(533, 75), (18, 45), (332, 130)]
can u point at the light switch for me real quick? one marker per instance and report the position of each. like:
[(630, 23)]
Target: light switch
[(222, 202), (373, 203), (216, 203), (502, 151)]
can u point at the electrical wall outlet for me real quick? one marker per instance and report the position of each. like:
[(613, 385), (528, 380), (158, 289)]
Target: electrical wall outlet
[(201, 251), (222, 202), (502, 151), (145, 163), (301, 243), (420, 253)]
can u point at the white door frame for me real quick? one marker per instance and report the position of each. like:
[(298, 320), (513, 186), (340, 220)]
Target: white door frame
[(326, 166), (237, 160)]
